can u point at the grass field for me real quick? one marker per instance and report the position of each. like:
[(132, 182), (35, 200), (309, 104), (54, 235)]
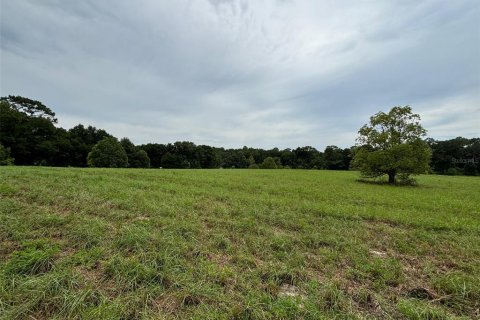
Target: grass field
[(235, 244)]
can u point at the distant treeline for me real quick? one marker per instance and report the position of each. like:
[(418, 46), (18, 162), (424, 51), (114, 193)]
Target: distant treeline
[(28, 136)]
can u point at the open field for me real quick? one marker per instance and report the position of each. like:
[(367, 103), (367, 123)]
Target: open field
[(235, 244)]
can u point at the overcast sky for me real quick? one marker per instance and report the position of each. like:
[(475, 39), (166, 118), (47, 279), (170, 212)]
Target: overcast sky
[(234, 73)]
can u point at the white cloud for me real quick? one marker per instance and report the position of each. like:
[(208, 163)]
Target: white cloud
[(234, 73)]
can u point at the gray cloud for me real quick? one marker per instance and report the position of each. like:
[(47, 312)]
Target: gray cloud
[(234, 73)]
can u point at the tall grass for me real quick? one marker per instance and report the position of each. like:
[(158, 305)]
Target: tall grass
[(235, 244)]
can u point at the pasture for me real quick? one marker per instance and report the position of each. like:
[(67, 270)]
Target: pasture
[(235, 244)]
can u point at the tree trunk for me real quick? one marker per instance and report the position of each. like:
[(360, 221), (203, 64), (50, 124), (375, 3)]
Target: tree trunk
[(391, 177)]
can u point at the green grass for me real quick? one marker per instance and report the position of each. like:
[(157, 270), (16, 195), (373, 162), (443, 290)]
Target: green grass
[(235, 244)]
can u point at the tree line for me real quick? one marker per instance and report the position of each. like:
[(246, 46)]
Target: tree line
[(29, 136)]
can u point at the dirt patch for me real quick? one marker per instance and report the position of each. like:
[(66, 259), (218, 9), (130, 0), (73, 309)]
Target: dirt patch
[(379, 254), (221, 259), (167, 303), (289, 290)]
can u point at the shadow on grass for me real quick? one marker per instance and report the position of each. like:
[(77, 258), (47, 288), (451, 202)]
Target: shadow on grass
[(383, 182)]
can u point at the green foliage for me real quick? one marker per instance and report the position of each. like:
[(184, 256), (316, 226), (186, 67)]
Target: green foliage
[(391, 144), (108, 153), (28, 132), (137, 158), (5, 159), (456, 156), (336, 158), (268, 163), (32, 108), (82, 139)]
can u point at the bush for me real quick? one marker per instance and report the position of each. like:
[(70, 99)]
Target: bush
[(108, 153), (5, 159)]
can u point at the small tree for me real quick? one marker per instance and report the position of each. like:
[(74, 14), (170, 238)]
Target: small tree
[(268, 163), (108, 153), (391, 144)]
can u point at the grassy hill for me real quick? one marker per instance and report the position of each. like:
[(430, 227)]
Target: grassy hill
[(235, 244)]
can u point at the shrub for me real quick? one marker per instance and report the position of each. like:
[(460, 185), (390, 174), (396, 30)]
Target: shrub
[(5, 159)]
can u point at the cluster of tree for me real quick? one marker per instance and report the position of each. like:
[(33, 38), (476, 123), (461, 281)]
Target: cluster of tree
[(456, 156), (188, 155), (29, 136)]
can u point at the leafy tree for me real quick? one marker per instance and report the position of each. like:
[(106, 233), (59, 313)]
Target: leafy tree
[(459, 155), (268, 163), (207, 157), (288, 158), (307, 157), (27, 128), (108, 153), (5, 159), (391, 144), (170, 160), (128, 146), (32, 108), (82, 140), (234, 159), (139, 160), (155, 152), (336, 158)]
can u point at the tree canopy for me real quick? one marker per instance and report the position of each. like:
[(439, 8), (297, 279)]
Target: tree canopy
[(108, 153), (391, 144)]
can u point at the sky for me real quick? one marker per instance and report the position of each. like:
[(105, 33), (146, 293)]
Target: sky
[(263, 73)]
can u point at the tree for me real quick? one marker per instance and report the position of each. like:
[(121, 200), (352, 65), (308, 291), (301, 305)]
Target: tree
[(307, 157), (108, 153), (82, 140), (459, 155), (5, 159), (155, 152), (137, 158), (27, 128), (170, 161), (32, 108), (268, 163), (391, 144)]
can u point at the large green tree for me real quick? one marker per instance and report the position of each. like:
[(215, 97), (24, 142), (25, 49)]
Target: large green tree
[(137, 158), (108, 153), (27, 127), (391, 144)]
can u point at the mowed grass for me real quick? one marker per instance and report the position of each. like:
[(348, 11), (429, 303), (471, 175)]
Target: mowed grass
[(235, 244)]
